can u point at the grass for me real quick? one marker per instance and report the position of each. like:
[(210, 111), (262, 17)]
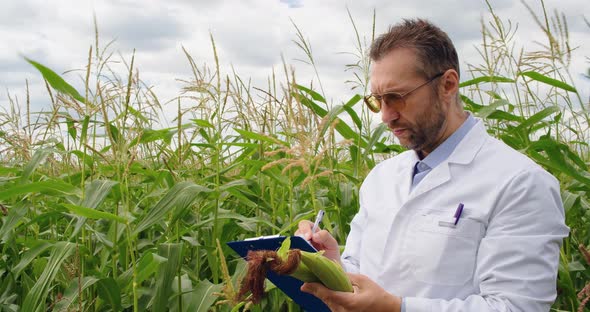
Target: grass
[(105, 209)]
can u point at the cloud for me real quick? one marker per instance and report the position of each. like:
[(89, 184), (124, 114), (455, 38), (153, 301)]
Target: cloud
[(146, 29), (250, 35), (293, 3)]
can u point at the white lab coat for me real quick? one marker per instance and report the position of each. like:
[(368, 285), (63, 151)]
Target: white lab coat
[(503, 254)]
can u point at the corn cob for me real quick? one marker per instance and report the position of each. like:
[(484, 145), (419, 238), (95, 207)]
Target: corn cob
[(329, 272), (302, 265)]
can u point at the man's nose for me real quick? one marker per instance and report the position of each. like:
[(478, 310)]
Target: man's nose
[(389, 114)]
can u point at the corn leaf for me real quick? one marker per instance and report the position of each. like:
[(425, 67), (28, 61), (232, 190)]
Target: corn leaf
[(180, 196), (148, 265), (35, 299), (481, 79), (56, 82), (95, 194), (14, 218), (348, 107), (539, 116), (93, 213), (547, 80), (260, 137), (203, 296), (30, 255), (166, 274), (375, 137), (485, 111), (72, 293), (314, 95), (109, 291), (36, 160), (50, 187)]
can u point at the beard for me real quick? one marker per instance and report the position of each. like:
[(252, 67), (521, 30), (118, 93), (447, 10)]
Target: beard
[(425, 132)]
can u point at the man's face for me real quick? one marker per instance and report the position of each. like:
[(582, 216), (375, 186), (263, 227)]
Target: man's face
[(419, 119)]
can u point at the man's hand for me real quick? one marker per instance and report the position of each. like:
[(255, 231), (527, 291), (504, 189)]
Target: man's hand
[(367, 296), (321, 240)]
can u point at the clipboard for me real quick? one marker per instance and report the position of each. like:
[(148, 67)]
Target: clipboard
[(289, 285)]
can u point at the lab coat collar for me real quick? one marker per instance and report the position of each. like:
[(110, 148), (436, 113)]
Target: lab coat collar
[(463, 154)]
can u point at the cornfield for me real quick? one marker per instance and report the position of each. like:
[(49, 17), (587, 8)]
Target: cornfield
[(102, 208)]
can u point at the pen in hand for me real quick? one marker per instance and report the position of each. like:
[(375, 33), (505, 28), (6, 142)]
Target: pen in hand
[(318, 219)]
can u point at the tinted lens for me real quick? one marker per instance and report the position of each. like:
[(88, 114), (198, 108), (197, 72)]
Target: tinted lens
[(393, 99), (373, 103)]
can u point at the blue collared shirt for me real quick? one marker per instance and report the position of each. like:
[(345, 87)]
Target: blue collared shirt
[(442, 152)]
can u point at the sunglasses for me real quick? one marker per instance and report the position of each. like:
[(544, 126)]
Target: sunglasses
[(394, 99)]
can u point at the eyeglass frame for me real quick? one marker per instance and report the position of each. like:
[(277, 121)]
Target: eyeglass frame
[(400, 96)]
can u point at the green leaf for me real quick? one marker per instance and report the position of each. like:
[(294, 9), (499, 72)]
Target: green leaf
[(166, 274), (504, 116), (14, 218), (72, 131), (55, 81), (39, 157), (283, 251), (50, 187), (114, 132), (72, 293), (109, 291), (203, 296), (575, 266), (224, 214), (260, 137), (35, 299), (348, 108), (150, 135), (375, 136), (84, 132), (331, 116), (354, 116), (534, 119), (569, 200), (180, 196), (30, 255), (341, 126), (318, 110), (485, 111), (314, 95), (95, 194), (547, 80), (137, 114), (202, 123), (148, 265), (484, 79), (93, 213)]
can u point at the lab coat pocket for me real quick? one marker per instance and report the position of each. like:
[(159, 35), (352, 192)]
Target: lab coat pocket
[(443, 255)]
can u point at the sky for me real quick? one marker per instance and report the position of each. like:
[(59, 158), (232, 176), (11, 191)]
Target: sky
[(251, 36)]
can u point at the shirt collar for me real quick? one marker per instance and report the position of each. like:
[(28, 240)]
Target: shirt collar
[(443, 151)]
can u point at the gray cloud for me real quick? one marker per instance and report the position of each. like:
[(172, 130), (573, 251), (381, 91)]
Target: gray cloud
[(250, 35), (142, 31), (293, 3)]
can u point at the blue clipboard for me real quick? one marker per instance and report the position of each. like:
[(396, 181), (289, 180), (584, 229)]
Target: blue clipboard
[(289, 285)]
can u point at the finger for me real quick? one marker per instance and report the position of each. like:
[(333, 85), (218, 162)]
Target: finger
[(356, 278), (318, 290), (324, 238), (304, 229), (334, 299)]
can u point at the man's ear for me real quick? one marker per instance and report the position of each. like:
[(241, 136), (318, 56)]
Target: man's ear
[(449, 86)]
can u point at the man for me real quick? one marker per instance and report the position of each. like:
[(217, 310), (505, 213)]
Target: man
[(460, 221)]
